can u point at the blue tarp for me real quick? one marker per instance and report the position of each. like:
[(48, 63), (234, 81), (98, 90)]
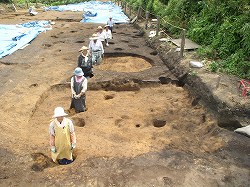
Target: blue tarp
[(13, 37), (95, 11)]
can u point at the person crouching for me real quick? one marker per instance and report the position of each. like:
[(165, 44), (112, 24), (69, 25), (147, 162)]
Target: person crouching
[(62, 137)]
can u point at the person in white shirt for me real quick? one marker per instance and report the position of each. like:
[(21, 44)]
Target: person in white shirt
[(107, 34), (96, 49), (101, 35), (110, 23)]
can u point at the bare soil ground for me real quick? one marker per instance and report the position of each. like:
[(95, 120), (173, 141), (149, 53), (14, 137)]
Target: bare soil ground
[(136, 131)]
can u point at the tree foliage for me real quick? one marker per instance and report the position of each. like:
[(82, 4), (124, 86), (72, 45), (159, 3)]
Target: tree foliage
[(221, 27)]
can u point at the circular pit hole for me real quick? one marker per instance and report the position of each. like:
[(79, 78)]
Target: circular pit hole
[(229, 124), (134, 46), (47, 45), (80, 41), (159, 123), (118, 49), (107, 97), (125, 41), (154, 53), (80, 122)]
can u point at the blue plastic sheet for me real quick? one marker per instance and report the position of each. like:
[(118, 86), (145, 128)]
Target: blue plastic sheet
[(13, 37), (95, 11)]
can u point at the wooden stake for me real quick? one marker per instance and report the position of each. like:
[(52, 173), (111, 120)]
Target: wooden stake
[(182, 43), (129, 11), (158, 26), (139, 13), (146, 25)]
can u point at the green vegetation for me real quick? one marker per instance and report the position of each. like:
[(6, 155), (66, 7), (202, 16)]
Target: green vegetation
[(221, 27), (45, 2)]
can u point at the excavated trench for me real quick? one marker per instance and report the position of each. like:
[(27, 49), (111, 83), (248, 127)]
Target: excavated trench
[(145, 115), (141, 124)]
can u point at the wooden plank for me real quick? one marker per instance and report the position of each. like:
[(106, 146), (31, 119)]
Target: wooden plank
[(188, 44)]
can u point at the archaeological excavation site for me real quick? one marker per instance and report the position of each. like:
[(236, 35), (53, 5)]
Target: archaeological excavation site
[(150, 119)]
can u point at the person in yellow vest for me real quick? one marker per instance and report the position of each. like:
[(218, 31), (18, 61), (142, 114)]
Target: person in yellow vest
[(62, 137)]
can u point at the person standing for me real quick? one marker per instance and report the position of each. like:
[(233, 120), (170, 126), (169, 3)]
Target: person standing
[(110, 23), (62, 137), (100, 34), (78, 90), (85, 62), (96, 49)]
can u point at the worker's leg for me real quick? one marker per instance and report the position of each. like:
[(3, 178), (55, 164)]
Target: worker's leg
[(94, 58), (99, 58)]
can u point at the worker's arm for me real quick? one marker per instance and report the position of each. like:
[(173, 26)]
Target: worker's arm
[(52, 137), (72, 135), (84, 87), (72, 87), (52, 140), (102, 48)]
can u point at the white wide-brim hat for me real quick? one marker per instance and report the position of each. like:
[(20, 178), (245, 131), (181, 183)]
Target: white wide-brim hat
[(78, 72), (59, 112), (94, 37), (99, 27)]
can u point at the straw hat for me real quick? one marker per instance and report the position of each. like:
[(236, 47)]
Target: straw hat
[(59, 112), (78, 72), (99, 27), (83, 48), (106, 26), (94, 37)]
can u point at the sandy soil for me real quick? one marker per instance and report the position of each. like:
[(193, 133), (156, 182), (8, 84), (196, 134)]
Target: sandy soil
[(136, 131)]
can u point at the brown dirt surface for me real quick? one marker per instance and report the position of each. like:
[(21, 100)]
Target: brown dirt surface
[(136, 131), (124, 64)]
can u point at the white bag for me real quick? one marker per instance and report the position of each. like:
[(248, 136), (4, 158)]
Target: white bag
[(196, 64), (244, 130)]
